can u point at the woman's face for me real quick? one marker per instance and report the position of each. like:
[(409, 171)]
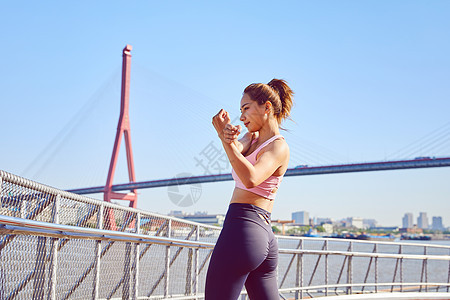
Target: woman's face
[(252, 114)]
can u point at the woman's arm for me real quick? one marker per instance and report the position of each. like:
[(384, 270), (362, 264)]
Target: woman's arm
[(271, 158), (245, 142)]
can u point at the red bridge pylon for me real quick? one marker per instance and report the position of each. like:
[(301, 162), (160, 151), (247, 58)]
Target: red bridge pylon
[(122, 127)]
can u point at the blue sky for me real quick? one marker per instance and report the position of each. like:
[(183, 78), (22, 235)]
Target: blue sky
[(371, 77)]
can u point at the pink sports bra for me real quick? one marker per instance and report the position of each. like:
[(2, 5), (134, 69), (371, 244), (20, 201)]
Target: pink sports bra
[(267, 186)]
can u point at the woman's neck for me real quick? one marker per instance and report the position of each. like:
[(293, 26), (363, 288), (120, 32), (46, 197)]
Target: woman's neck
[(270, 129)]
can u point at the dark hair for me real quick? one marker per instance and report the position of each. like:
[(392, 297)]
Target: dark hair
[(277, 92)]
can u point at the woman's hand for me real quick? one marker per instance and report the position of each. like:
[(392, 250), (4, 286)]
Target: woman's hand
[(227, 133), (231, 133)]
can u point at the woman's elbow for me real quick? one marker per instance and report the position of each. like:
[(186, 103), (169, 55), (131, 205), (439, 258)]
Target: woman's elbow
[(249, 183)]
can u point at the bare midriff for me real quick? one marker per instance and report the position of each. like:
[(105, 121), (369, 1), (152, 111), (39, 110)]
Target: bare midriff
[(243, 196)]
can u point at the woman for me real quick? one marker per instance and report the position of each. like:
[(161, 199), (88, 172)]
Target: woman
[(247, 251)]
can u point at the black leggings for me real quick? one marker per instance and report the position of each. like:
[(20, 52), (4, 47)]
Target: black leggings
[(245, 253)]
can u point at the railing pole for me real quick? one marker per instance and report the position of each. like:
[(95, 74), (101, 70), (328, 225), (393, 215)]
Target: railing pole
[(448, 278), (54, 248), (426, 270), (349, 271), (298, 273), (98, 247), (326, 268), (136, 259), (423, 269), (401, 270), (189, 268), (166, 270), (197, 254), (301, 270), (127, 266), (376, 268)]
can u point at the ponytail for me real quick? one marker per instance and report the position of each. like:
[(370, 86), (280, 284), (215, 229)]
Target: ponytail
[(277, 92), (285, 94)]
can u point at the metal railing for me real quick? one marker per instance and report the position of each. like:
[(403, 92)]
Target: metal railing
[(59, 245)]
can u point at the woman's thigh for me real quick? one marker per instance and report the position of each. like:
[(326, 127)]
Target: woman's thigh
[(242, 247), (261, 283)]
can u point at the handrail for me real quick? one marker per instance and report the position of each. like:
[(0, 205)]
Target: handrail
[(343, 285), (296, 238), (13, 225), (364, 254)]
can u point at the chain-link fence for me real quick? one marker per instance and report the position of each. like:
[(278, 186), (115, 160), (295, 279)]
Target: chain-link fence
[(59, 245)]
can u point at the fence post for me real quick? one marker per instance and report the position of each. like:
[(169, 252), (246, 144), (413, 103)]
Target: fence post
[(167, 267), (55, 219), (448, 278), (349, 271), (401, 270), (376, 268), (326, 268), (136, 259), (98, 253), (426, 269), (197, 254), (299, 273)]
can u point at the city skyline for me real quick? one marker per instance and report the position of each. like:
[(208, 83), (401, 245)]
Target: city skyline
[(300, 217)]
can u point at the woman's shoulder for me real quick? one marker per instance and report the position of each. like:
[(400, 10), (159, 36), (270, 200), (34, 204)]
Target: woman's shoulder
[(278, 146)]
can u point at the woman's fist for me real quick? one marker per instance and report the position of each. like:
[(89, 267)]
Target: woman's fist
[(227, 132)]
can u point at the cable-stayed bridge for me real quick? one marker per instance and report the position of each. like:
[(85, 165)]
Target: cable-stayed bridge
[(438, 138), (302, 170)]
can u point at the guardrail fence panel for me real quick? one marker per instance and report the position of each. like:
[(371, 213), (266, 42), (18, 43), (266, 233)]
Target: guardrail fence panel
[(59, 245)]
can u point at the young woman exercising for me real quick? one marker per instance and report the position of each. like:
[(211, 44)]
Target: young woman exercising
[(247, 251)]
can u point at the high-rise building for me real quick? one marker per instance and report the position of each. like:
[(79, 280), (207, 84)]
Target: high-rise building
[(422, 220), (437, 224), (301, 217), (407, 221)]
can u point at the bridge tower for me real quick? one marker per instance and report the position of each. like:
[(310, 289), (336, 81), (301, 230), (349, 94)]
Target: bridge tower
[(122, 128)]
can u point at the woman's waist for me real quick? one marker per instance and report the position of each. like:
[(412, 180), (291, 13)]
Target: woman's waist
[(246, 197)]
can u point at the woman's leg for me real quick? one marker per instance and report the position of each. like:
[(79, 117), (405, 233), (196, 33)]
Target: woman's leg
[(261, 283), (242, 246)]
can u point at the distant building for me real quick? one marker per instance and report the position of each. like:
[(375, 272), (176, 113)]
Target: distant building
[(369, 223), (321, 221), (301, 217), (413, 230), (422, 220), (327, 227), (206, 219), (199, 217), (407, 221), (437, 224), (355, 222)]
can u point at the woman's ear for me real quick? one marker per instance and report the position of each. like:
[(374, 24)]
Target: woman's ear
[(268, 107)]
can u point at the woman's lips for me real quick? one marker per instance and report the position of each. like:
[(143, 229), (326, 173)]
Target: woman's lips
[(246, 124)]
